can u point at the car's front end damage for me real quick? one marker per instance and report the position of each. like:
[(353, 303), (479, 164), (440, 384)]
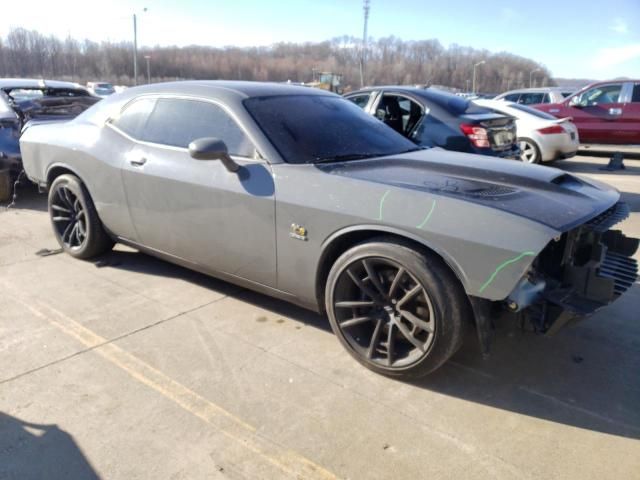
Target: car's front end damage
[(576, 274)]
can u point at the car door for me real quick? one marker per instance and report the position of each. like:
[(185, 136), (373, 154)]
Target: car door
[(597, 112), (197, 210), (631, 116)]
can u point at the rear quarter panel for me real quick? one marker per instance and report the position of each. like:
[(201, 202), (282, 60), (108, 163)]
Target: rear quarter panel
[(92, 153)]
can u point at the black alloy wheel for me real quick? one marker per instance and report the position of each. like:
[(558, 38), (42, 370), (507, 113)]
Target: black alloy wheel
[(75, 221), (397, 310), (384, 313), (68, 217)]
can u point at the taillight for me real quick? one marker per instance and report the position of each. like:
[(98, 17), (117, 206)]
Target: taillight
[(478, 135), (551, 130)]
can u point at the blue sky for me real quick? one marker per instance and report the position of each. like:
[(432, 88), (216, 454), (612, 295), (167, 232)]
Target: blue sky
[(582, 39)]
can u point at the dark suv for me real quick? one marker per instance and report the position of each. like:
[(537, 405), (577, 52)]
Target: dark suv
[(433, 118)]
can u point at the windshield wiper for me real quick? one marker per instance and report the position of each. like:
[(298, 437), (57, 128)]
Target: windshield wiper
[(346, 157)]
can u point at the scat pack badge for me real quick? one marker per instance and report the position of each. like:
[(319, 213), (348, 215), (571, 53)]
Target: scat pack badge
[(298, 232)]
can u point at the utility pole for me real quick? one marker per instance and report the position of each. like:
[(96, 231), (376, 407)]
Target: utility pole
[(135, 47), (531, 76), (135, 50), (366, 8), (474, 74), (148, 58)]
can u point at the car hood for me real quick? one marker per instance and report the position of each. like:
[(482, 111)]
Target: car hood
[(546, 195)]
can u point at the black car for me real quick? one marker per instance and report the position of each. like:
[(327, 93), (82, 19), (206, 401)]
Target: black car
[(434, 118), (35, 101)]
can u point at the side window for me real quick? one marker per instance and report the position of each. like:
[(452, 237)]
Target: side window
[(546, 98), (134, 117), (635, 97), (601, 94), (178, 122), (360, 100), (512, 97), (399, 113), (531, 98)]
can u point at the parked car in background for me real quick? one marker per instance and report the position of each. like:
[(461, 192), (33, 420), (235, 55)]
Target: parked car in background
[(535, 96), (35, 101), (101, 89), (297, 193), (541, 136), (604, 112), (433, 118)]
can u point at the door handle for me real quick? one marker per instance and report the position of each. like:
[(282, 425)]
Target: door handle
[(615, 111), (138, 162)]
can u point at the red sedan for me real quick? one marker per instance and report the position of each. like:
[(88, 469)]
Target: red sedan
[(604, 112)]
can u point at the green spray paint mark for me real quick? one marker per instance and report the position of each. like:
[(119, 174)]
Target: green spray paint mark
[(503, 265), (382, 203), (426, 219)]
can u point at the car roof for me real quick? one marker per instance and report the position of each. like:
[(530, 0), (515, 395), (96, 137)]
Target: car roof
[(224, 88), (15, 83), (538, 90)]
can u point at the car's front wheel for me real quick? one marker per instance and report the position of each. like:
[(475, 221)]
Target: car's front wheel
[(398, 311), (529, 151), (74, 219)]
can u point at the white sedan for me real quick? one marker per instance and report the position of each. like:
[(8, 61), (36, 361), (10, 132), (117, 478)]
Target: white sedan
[(542, 137)]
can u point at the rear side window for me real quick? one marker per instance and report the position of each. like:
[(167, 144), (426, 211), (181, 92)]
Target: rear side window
[(512, 97), (360, 100), (177, 122), (531, 98), (133, 119), (635, 98)]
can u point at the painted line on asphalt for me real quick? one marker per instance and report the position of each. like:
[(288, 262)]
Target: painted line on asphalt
[(231, 426)]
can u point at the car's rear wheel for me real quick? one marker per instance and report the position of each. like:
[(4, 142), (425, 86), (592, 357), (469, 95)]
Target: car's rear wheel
[(397, 311), (529, 151), (74, 219)]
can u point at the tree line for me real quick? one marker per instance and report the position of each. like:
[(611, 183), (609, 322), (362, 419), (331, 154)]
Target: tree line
[(390, 60)]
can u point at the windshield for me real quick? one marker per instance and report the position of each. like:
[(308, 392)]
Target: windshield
[(312, 128)]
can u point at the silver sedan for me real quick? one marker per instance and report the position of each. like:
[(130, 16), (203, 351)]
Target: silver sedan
[(542, 137)]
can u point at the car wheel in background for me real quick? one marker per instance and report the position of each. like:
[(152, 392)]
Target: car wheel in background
[(74, 219), (529, 151), (397, 311)]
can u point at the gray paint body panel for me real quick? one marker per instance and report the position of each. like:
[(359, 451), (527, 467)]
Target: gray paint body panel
[(487, 218)]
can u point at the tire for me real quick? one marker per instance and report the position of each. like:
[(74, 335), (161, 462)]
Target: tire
[(74, 219), (5, 185), (358, 310), (529, 151)]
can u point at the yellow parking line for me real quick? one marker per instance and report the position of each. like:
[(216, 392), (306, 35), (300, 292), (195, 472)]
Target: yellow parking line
[(225, 422)]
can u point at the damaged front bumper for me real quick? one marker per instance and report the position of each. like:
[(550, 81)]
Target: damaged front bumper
[(578, 273)]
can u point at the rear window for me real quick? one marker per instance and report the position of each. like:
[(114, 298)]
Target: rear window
[(452, 103), (533, 111)]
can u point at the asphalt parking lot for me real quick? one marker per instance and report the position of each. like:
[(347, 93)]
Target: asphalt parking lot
[(132, 368)]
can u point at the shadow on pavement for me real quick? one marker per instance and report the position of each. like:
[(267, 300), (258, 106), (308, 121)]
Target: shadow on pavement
[(577, 166), (33, 451), (585, 376), (28, 198)]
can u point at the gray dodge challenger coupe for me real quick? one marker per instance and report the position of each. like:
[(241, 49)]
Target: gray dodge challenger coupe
[(299, 194)]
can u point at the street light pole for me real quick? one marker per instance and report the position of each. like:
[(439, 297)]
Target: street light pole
[(135, 50), (147, 58), (135, 47), (531, 76), (474, 74)]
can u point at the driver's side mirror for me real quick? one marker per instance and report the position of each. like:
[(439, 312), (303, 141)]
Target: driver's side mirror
[(210, 148)]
